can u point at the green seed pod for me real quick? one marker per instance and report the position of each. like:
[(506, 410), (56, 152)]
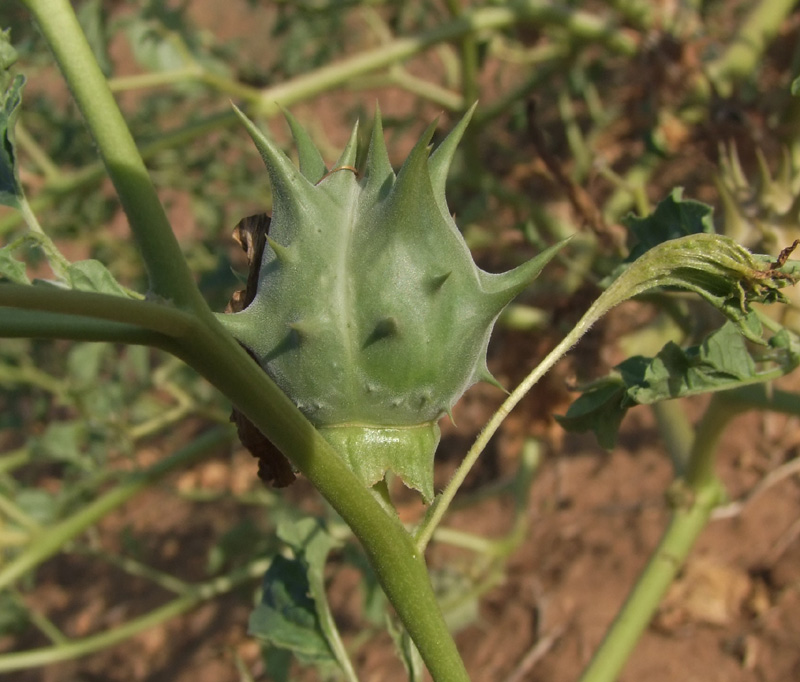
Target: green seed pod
[(370, 312)]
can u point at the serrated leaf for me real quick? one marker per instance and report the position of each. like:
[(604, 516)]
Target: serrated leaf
[(12, 269), (10, 188), (721, 362), (293, 613), (673, 218), (92, 275), (287, 616), (312, 543), (599, 409)]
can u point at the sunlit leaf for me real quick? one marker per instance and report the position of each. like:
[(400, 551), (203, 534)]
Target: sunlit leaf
[(8, 56), (92, 275), (722, 361), (673, 218), (12, 269)]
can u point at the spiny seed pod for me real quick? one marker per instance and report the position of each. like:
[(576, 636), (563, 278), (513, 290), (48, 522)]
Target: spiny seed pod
[(370, 312)]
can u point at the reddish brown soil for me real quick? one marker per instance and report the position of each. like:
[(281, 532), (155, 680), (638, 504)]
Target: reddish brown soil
[(594, 518)]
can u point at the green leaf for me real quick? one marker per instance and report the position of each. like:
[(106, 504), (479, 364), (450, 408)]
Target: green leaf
[(796, 86), (12, 269), (286, 616), (10, 188), (63, 442), (600, 409), (722, 361), (8, 56), (673, 218), (39, 504), (92, 275), (84, 363), (293, 613), (312, 543), (13, 615)]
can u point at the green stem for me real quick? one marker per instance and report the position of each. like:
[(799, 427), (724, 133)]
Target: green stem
[(335, 641), (438, 509), (638, 610), (144, 81), (580, 24), (398, 565), (36, 154), (37, 324), (676, 431), (155, 317), (399, 77), (700, 473), (52, 538), (397, 562), (169, 274), (696, 496), (762, 397)]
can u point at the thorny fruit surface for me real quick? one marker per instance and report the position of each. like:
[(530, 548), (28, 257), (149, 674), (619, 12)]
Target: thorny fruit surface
[(369, 311)]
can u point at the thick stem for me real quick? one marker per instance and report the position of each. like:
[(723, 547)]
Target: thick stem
[(36, 324), (155, 317), (399, 566), (169, 274)]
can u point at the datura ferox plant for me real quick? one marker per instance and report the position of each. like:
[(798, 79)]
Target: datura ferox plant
[(369, 311)]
